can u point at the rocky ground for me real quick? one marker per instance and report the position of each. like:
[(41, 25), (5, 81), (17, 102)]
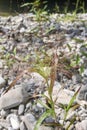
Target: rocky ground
[(22, 40)]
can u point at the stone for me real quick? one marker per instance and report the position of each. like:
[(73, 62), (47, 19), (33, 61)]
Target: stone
[(49, 120), (10, 128), (14, 121), (70, 115), (29, 121), (45, 128), (61, 95), (21, 109), (37, 77), (22, 126), (14, 98), (82, 95), (76, 79), (2, 82), (81, 125), (1, 64), (3, 113), (0, 127), (85, 73), (4, 123)]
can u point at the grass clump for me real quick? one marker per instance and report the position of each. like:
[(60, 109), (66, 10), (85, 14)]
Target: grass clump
[(38, 8), (50, 75)]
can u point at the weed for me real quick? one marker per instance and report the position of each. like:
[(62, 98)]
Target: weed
[(38, 8), (50, 103), (47, 68)]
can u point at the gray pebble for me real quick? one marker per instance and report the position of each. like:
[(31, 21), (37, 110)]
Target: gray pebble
[(3, 113), (22, 126), (2, 82), (81, 125), (21, 109), (14, 121)]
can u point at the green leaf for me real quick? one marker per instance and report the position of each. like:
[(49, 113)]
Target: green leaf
[(81, 69), (43, 71), (72, 100), (84, 54), (70, 104), (44, 115), (15, 51), (77, 59), (69, 47), (26, 4), (71, 122), (43, 104)]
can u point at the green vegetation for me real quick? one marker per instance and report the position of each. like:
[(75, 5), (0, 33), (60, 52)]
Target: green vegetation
[(48, 66), (49, 74), (40, 9)]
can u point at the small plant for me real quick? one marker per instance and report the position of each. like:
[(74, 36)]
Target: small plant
[(10, 58), (72, 16), (49, 74), (47, 68), (38, 8)]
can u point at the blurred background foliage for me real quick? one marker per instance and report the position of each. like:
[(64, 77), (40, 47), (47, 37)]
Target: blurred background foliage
[(52, 5)]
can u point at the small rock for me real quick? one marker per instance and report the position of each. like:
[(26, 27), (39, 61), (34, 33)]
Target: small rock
[(76, 79), (45, 128), (0, 127), (83, 93), (82, 125), (14, 122), (21, 109), (2, 82), (29, 121), (22, 126), (3, 113), (1, 64), (39, 105), (67, 124), (28, 105), (49, 120), (13, 98), (61, 95), (70, 115), (4, 123), (10, 128), (85, 73)]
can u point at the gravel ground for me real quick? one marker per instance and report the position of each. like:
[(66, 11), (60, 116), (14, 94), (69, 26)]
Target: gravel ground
[(22, 40)]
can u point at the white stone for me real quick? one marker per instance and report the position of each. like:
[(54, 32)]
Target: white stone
[(2, 82), (22, 30), (1, 65), (85, 72), (61, 95), (81, 125), (4, 123), (14, 122), (10, 128), (29, 121), (22, 126), (45, 128), (3, 113), (21, 109), (13, 98), (82, 95)]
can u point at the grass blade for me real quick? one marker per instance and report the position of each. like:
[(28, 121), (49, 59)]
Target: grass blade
[(44, 115)]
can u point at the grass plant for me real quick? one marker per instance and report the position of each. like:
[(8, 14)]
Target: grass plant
[(50, 103), (38, 8)]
